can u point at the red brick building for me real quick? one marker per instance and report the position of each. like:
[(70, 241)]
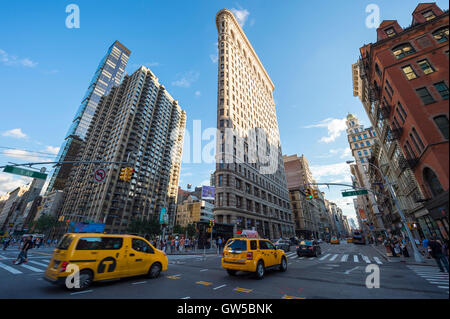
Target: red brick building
[(407, 69)]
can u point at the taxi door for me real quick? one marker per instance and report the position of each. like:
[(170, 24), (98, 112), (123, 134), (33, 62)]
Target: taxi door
[(266, 253), (139, 257), (274, 253), (112, 261)]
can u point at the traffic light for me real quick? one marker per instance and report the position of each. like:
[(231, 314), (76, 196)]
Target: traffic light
[(129, 174), (123, 174), (308, 193), (211, 223), (315, 193)]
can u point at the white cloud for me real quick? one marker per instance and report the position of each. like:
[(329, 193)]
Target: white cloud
[(214, 58), (340, 169), (11, 60), (10, 182), (23, 155), (198, 93), (185, 80), (205, 183), (52, 150), (341, 152), (335, 128), (241, 15), (15, 133)]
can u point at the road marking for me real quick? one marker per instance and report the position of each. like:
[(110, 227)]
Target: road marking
[(348, 271), (219, 287), (186, 298), (37, 263), (42, 253), (366, 259), (312, 258), (324, 257), (355, 259), (174, 276), (333, 258), (139, 282), (10, 269), (443, 287), (243, 290), (344, 258), (291, 297), (290, 254), (301, 258), (32, 268), (81, 292), (204, 283), (204, 270), (377, 260)]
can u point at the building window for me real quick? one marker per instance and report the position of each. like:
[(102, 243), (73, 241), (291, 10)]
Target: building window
[(418, 138), (425, 66), (409, 72), (390, 32), (377, 69), (441, 122), (442, 88), (429, 15), (432, 182), (403, 50), (402, 110), (441, 35), (425, 96)]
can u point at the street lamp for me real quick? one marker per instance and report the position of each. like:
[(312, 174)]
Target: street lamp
[(417, 256)]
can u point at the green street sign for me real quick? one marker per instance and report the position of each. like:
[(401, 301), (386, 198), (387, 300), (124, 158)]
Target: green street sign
[(355, 193), (24, 172)]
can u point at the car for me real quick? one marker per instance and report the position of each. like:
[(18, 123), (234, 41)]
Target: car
[(98, 257), (309, 248), (349, 240), (283, 244), (334, 240), (255, 255)]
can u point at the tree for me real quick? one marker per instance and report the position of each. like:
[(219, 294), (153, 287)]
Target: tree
[(45, 223), (177, 229), (191, 230)]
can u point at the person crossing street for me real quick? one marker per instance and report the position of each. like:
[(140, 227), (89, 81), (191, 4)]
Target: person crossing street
[(23, 255)]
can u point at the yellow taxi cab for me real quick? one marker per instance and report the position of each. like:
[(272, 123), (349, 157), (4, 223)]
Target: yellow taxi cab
[(334, 240), (252, 255), (100, 257), (349, 240)]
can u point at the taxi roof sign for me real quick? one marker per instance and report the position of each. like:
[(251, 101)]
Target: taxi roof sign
[(247, 233)]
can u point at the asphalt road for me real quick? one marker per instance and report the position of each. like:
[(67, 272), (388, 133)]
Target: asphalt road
[(339, 273)]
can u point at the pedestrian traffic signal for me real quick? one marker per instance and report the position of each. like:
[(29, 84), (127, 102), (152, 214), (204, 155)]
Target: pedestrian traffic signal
[(123, 174)]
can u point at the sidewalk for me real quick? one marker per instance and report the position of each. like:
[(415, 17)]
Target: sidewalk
[(200, 252), (381, 250)]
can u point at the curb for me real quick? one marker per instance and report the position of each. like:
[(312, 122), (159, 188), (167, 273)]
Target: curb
[(400, 260)]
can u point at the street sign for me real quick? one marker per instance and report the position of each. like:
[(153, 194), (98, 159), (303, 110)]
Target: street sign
[(355, 193), (24, 172), (163, 217), (99, 175)]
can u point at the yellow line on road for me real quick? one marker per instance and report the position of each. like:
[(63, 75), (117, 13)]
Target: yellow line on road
[(291, 297), (173, 277), (35, 252), (243, 289), (204, 283)]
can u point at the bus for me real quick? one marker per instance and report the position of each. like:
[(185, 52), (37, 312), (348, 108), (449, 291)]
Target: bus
[(358, 237)]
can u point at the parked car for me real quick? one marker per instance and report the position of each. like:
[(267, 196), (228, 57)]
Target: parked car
[(309, 248), (283, 244)]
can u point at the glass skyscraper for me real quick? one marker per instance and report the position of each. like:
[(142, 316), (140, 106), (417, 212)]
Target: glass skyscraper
[(109, 73)]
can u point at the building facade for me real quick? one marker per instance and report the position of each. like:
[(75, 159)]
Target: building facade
[(405, 93), (193, 210), (109, 73), (138, 125), (250, 185)]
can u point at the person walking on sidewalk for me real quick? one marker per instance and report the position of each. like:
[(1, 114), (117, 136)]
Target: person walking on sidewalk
[(435, 249)]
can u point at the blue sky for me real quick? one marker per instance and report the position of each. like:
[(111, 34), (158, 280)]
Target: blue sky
[(307, 48)]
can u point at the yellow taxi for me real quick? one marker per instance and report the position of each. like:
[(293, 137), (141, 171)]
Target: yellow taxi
[(349, 240), (96, 257), (334, 240), (252, 255)]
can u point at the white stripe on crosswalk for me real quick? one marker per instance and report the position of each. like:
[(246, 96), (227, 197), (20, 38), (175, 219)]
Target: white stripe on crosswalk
[(312, 258), (443, 287), (333, 258), (38, 263), (344, 258), (355, 259), (290, 254), (366, 259), (32, 268), (377, 260), (324, 257), (10, 269)]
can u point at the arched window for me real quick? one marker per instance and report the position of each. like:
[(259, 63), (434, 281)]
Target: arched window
[(403, 50), (441, 35), (442, 124), (432, 182)]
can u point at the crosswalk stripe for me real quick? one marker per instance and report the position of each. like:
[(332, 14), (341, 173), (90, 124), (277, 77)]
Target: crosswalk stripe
[(333, 258), (377, 260), (32, 268), (366, 259), (355, 259), (292, 257), (291, 254), (38, 263), (10, 269), (312, 258), (344, 258), (324, 257), (443, 287)]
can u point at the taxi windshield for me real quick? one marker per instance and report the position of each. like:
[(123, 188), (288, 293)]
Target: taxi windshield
[(65, 243), (237, 244)]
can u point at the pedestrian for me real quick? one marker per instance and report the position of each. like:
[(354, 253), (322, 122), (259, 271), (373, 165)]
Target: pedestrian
[(172, 245), (404, 249), (435, 249), (181, 244), (23, 255), (186, 244)]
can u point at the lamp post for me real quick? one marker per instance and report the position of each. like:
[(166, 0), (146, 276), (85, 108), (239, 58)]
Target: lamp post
[(417, 256)]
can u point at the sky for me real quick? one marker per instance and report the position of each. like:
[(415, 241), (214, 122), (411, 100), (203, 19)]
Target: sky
[(307, 48)]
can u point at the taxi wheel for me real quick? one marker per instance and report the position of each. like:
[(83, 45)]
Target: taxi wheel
[(85, 280), (283, 265), (260, 270), (231, 272), (154, 270)]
